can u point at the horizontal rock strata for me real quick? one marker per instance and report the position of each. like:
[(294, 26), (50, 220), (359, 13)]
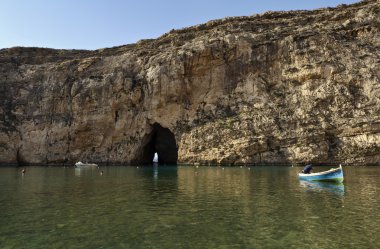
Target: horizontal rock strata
[(279, 87)]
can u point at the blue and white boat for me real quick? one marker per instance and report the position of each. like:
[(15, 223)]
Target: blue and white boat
[(332, 175)]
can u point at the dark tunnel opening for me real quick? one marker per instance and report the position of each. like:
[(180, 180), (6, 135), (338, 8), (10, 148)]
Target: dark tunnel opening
[(162, 141)]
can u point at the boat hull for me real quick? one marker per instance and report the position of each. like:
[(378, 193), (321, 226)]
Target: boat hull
[(332, 175), (80, 165)]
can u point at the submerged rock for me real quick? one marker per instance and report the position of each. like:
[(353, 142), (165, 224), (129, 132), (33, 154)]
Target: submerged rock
[(293, 87)]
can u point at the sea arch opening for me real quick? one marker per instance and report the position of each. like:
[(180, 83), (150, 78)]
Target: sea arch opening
[(161, 141)]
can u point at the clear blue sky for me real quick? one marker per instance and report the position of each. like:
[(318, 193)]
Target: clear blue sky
[(92, 24)]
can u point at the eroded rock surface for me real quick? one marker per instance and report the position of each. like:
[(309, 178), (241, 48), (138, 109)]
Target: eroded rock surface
[(293, 87)]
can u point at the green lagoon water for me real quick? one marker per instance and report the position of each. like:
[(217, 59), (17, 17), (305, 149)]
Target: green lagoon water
[(187, 207)]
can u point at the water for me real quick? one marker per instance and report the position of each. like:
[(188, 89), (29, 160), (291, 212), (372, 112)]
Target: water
[(187, 207)]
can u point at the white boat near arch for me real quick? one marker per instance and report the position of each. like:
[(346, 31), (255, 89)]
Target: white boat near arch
[(80, 164)]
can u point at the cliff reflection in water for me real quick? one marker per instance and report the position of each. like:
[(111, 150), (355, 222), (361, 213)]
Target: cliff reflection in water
[(187, 207)]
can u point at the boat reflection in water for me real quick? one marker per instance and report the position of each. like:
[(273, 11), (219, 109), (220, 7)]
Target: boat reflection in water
[(332, 187), (81, 171)]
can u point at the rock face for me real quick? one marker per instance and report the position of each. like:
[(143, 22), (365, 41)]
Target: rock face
[(280, 87)]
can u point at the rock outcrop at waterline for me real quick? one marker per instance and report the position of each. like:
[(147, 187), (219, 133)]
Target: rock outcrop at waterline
[(294, 87)]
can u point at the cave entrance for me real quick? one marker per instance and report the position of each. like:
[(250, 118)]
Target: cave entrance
[(161, 141)]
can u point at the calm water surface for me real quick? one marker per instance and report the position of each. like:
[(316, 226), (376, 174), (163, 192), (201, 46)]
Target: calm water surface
[(187, 207)]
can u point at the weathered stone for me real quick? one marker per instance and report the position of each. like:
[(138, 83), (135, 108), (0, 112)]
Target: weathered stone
[(280, 87)]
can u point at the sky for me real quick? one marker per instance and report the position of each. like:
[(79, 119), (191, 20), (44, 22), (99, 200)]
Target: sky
[(94, 24)]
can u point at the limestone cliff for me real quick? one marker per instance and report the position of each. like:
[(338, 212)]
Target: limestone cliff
[(279, 87)]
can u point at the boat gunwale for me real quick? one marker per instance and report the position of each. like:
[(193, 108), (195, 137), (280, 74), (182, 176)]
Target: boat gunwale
[(322, 172)]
